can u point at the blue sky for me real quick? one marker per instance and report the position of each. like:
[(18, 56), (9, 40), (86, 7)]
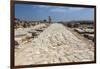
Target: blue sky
[(57, 13)]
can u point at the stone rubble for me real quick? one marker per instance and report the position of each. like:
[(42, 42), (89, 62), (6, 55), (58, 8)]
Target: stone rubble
[(56, 44)]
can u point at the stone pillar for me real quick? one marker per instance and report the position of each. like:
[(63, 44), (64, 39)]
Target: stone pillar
[(49, 19)]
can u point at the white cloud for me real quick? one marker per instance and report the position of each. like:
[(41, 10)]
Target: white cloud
[(42, 6), (65, 9), (75, 8), (58, 10), (48, 6)]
